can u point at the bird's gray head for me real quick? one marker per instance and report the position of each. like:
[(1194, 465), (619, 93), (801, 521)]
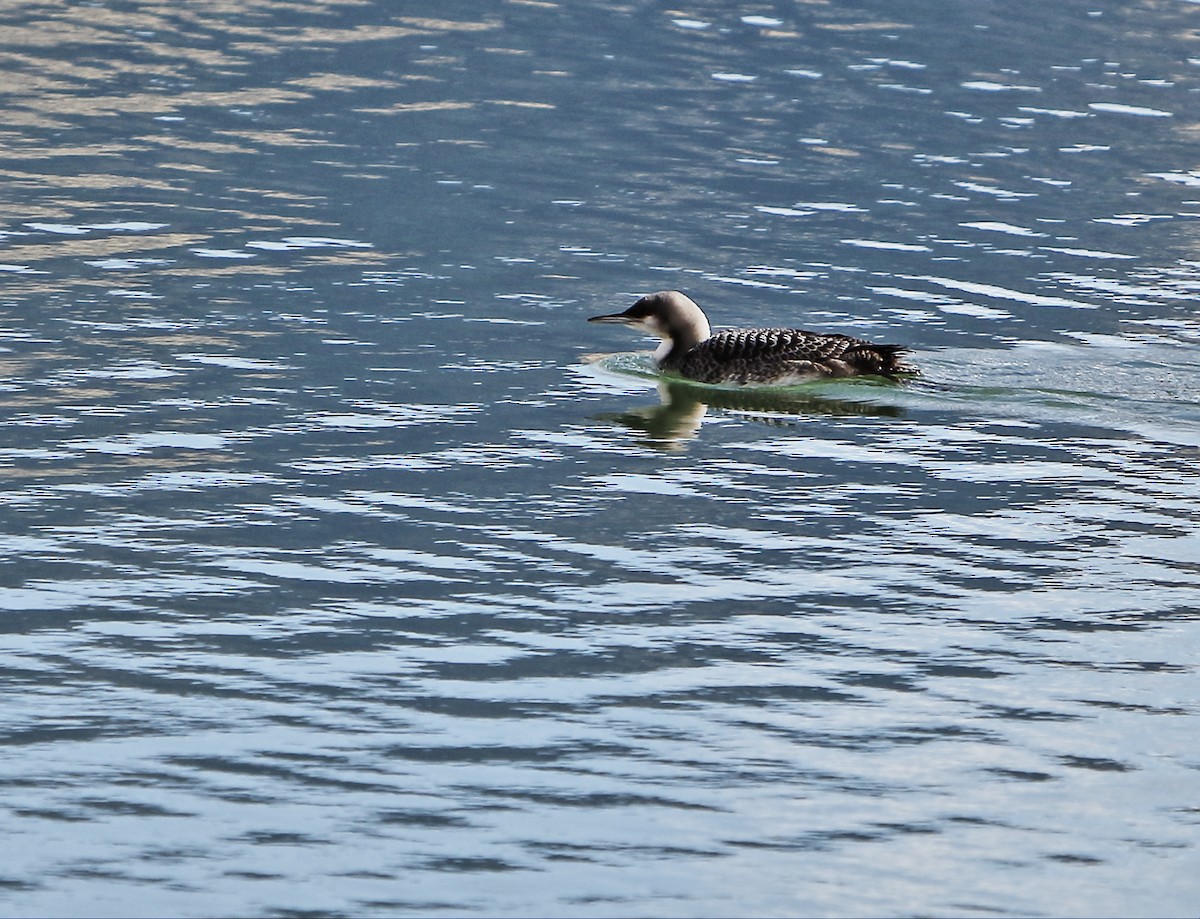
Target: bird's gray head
[(668, 315)]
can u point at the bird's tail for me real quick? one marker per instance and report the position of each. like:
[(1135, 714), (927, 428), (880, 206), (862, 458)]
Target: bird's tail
[(892, 362)]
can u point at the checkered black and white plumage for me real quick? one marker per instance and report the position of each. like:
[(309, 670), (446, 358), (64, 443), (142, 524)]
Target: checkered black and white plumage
[(783, 355)]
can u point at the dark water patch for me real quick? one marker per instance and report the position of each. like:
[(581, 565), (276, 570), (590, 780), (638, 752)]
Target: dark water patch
[(1074, 859), (1100, 764), (470, 865), (108, 806), (220, 765), (1023, 775), (423, 819)]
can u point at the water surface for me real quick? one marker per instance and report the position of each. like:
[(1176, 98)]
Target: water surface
[(339, 580)]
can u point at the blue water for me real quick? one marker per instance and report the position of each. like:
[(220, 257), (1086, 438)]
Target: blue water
[(348, 571)]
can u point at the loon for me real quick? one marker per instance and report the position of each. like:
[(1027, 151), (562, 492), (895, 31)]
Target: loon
[(764, 356)]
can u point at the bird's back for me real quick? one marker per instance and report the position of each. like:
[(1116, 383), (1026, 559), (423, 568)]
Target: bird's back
[(786, 356)]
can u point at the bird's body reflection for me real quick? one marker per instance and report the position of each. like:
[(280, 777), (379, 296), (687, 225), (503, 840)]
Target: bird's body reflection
[(683, 406)]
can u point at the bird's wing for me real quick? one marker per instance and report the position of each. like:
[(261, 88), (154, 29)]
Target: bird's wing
[(783, 344), (752, 354)]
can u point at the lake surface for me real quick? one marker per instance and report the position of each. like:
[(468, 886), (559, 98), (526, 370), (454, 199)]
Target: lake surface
[(341, 578)]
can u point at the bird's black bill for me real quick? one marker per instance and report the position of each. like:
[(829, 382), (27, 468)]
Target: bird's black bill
[(614, 317)]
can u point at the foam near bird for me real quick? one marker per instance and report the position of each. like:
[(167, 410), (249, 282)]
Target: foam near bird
[(774, 357)]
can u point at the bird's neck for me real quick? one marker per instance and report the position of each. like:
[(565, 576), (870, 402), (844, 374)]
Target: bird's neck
[(670, 353), (678, 338)]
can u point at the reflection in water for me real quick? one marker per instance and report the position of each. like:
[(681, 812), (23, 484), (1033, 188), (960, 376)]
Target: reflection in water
[(668, 425), (683, 405)]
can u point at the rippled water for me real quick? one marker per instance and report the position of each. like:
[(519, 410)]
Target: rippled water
[(342, 577)]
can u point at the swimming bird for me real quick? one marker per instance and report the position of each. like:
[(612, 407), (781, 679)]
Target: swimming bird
[(765, 356)]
